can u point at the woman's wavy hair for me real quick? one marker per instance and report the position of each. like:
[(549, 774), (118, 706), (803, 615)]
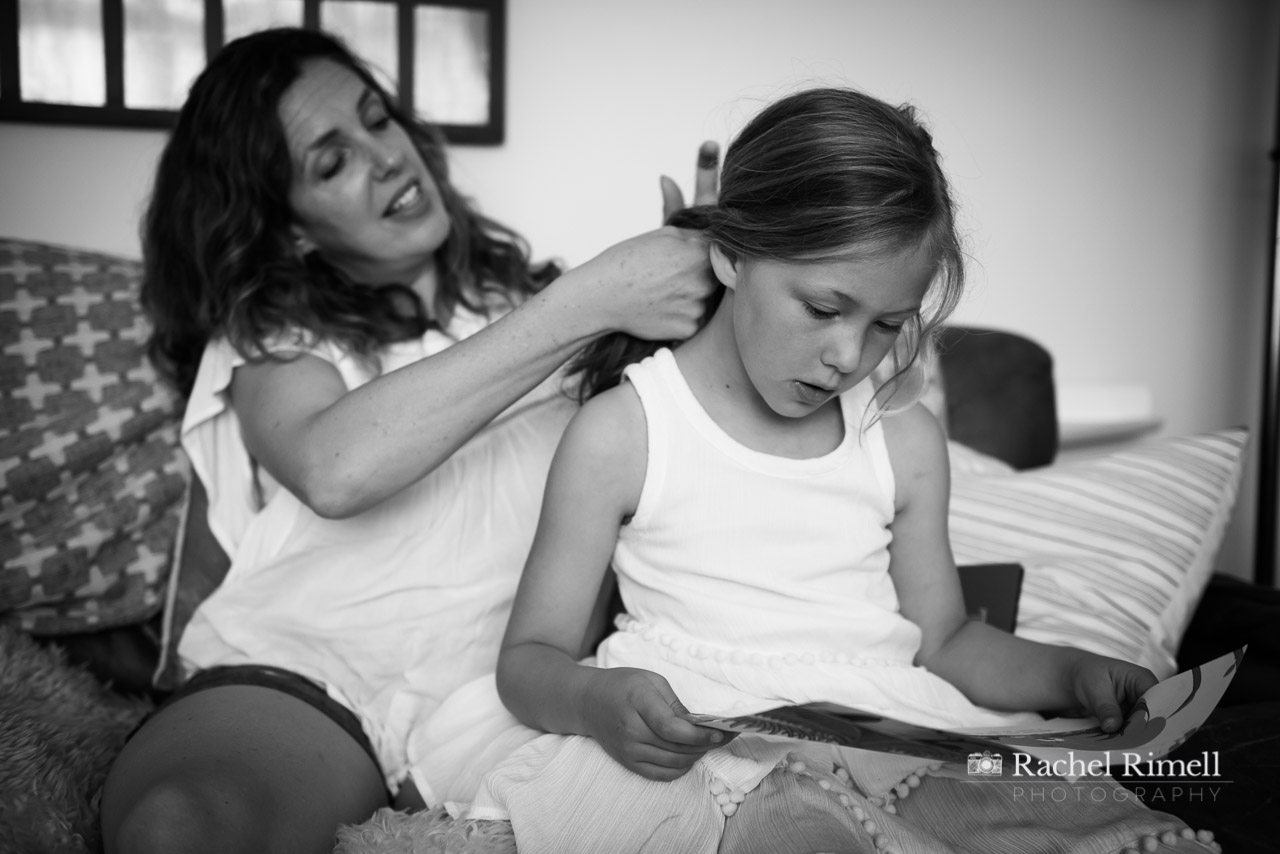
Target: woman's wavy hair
[(218, 253), (823, 175)]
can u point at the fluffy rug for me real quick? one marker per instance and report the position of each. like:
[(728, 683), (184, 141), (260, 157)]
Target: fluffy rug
[(429, 832), (60, 729)]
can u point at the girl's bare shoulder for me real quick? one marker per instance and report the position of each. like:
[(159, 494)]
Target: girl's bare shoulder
[(609, 430), (917, 447)]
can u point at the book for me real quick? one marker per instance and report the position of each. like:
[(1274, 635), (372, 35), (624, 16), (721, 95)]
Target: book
[(1164, 717)]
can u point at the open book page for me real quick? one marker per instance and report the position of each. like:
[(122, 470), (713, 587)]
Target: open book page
[(1162, 719)]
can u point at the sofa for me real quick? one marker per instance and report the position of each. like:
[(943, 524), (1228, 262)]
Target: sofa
[(105, 555)]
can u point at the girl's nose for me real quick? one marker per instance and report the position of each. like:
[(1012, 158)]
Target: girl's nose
[(843, 353)]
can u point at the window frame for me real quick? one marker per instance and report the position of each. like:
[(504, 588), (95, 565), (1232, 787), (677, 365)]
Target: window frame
[(115, 114)]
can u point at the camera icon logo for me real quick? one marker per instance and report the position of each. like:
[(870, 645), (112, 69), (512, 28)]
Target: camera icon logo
[(985, 765)]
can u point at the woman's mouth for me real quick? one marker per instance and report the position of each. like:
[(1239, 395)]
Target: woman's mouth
[(407, 200)]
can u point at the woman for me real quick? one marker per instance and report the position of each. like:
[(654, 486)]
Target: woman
[(373, 399)]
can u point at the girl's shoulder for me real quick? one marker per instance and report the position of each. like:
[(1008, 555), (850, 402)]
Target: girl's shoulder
[(610, 425), (604, 448), (916, 444)]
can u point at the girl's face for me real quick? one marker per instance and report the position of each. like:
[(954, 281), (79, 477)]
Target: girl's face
[(807, 331), (360, 192)]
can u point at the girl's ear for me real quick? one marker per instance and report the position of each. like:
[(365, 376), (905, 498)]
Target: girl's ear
[(725, 267)]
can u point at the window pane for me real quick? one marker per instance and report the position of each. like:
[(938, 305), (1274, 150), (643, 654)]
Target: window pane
[(451, 65), (163, 51), (60, 52), (241, 17), (369, 29)]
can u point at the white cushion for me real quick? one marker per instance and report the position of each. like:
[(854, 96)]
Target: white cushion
[(1117, 547)]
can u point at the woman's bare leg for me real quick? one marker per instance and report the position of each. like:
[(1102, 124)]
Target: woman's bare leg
[(237, 768)]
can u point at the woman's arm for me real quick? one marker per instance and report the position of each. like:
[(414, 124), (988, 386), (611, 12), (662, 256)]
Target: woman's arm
[(992, 668), (594, 485), (342, 453)]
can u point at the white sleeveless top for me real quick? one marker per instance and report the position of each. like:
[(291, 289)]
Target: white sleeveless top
[(753, 580), (390, 610)]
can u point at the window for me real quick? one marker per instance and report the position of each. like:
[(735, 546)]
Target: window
[(129, 63)]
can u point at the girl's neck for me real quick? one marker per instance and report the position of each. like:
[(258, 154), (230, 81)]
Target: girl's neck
[(713, 368)]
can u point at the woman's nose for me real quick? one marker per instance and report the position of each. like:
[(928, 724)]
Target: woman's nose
[(386, 159)]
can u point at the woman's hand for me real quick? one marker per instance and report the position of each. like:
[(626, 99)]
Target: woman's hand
[(652, 286), (706, 181), (1107, 687), (639, 721)]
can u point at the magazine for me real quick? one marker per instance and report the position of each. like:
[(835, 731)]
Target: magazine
[(1163, 718)]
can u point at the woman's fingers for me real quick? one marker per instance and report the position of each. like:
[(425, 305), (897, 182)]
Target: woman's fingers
[(706, 182), (672, 198)]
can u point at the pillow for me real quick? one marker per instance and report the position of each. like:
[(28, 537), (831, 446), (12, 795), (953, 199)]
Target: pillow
[(91, 473), (966, 461), (999, 394), (1117, 547)]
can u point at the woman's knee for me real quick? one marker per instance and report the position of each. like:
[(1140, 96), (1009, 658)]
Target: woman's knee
[(237, 768), (190, 813)]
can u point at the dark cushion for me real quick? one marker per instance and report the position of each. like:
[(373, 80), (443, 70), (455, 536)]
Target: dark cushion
[(1231, 614), (1000, 395)]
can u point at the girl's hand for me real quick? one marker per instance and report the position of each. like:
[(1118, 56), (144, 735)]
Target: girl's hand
[(638, 720), (1107, 687), (652, 286)]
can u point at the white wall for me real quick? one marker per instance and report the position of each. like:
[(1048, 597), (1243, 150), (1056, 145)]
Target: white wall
[(1110, 157)]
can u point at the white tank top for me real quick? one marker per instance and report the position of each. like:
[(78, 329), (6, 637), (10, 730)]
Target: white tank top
[(738, 548)]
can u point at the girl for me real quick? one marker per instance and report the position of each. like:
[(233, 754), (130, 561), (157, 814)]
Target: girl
[(775, 509), (365, 359)]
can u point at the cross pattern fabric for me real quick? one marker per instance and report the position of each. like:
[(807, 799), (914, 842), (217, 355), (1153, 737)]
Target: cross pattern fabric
[(91, 474)]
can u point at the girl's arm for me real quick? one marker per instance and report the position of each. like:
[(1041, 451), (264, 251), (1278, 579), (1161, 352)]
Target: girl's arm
[(993, 668), (594, 484), (342, 453)]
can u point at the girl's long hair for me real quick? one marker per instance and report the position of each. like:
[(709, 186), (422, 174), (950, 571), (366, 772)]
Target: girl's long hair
[(822, 175), (218, 253)]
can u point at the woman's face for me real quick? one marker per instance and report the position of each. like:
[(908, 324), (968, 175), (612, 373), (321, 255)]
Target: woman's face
[(360, 192), (807, 332)]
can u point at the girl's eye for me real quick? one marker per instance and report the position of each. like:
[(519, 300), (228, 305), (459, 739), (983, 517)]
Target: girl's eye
[(818, 313), (888, 326), (380, 122)]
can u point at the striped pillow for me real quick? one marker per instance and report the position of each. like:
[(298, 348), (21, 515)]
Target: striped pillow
[(1117, 547)]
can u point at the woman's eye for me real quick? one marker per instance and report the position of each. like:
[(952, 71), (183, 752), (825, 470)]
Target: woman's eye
[(818, 313), (380, 122), (888, 326), (331, 165)]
